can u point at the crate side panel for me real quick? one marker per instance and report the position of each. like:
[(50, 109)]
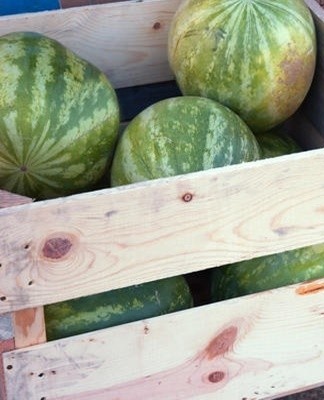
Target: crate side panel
[(259, 348), (126, 40), (88, 243)]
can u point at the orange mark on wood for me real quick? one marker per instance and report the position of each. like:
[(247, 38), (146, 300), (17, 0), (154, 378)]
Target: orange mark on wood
[(29, 327), (24, 319), (222, 343), (310, 288)]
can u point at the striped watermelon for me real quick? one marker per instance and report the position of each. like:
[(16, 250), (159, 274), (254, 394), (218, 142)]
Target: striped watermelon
[(180, 135), (59, 118), (274, 143), (267, 272), (255, 56), (117, 307)]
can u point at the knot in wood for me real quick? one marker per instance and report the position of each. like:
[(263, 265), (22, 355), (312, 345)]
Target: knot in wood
[(157, 26), (216, 376), (56, 247), (187, 197)]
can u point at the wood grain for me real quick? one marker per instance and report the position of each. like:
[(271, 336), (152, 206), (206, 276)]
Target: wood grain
[(29, 327), (126, 40), (28, 324), (83, 244), (255, 347), (8, 199)]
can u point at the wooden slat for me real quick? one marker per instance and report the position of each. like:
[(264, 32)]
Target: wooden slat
[(126, 40), (8, 199), (83, 244), (29, 327), (28, 324), (258, 347)]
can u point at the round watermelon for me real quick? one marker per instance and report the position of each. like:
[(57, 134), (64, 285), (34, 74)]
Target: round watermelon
[(256, 57), (179, 135), (267, 272), (117, 307), (274, 143), (59, 118)]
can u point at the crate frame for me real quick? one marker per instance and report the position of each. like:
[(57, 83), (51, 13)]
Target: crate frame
[(224, 355)]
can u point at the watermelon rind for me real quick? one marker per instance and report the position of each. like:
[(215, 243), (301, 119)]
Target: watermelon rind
[(116, 307), (180, 135), (256, 57), (59, 118), (267, 272)]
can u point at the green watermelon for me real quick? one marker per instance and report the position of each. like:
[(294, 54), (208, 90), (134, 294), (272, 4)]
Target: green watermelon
[(273, 143), (59, 118), (179, 135), (255, 56), (267, 272), (117, 307)]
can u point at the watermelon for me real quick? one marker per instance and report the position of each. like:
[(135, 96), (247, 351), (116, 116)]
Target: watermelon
[(274, 143), (179, 135), (59, 118), (116, 307), (267, 272), (256, 57)]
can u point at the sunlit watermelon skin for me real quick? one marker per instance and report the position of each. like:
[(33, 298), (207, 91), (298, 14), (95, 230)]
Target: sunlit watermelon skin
[(59, 118), (268, 272), (181, 135), (274, 143), (255, 56), (117, 307)]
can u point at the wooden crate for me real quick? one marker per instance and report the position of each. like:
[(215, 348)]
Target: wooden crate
[(255, 347)]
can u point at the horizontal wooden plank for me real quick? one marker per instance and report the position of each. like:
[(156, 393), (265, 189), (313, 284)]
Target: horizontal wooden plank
[(256, 347), (92, 242), (8, 199), (126, 40)]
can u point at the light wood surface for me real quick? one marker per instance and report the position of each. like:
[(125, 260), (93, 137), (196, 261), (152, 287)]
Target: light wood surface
[(253, 348), (28, 324), (83, 244), (126, 40), (29, 327), (8, 199)]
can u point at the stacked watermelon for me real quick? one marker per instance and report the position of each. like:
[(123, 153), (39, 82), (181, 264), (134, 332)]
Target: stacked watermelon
[(243, 68), (256, 57), (59, 118)]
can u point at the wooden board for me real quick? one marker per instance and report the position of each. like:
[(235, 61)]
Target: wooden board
[(83, 244), (28, 324), (256, 347), (8, 199), (126, 40)]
